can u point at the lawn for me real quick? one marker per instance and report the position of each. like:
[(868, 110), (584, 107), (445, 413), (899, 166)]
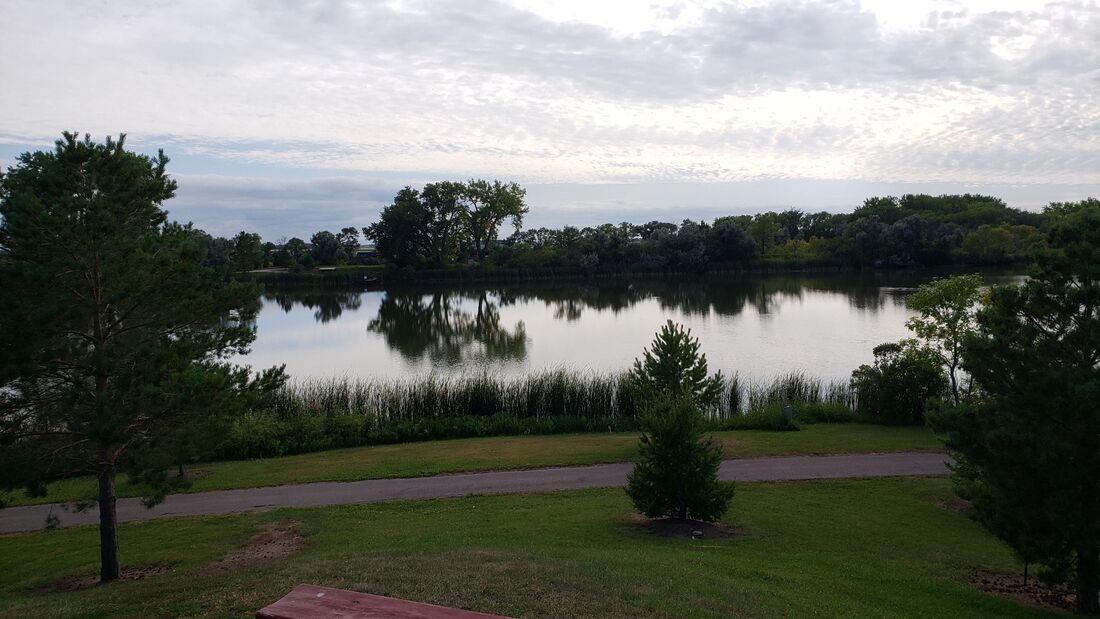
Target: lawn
[(883, 548), (498, 453)]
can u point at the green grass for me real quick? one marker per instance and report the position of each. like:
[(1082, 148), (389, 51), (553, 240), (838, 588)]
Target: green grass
[(846, 548), (499, 453)]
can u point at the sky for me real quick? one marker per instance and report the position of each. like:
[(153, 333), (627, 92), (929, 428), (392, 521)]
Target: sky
[(288, 117)]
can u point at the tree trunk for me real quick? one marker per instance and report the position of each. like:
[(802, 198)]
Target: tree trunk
[(681, 500), (954, 386), (1088, 581), (108, 524)]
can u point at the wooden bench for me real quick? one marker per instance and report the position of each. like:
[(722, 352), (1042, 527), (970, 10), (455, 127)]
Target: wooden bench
[(313, 602)]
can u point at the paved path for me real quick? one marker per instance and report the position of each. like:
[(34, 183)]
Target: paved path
[(32, 517)]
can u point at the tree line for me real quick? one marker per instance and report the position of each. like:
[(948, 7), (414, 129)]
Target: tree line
[(447, 225)]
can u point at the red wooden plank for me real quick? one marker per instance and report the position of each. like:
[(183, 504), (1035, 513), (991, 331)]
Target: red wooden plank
[(313, 602)]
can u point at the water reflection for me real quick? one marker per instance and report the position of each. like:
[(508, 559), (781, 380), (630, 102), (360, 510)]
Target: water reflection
[(328, 304), (824, 324), (449, 327), (723, 296)]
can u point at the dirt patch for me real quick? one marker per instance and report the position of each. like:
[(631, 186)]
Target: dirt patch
[(128, 574), (1035, 593), (685, 528), (956, 505), (273, 541)]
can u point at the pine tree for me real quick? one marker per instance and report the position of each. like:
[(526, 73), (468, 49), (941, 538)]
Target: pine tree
[(674, 366), (113, 334), (676, 473), (1028, 450)]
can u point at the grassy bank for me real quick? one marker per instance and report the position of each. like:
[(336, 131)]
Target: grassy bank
[(883, 548), (502, 453), (311, 416)]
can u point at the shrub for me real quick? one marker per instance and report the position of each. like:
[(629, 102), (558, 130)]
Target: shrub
[(676, 473), (897, 388), (825, 412), (769, 417)]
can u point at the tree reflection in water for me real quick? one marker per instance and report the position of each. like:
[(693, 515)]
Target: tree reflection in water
[(327, 304), (444, 327)]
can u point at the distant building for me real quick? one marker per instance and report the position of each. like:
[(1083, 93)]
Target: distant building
[(366, 251)]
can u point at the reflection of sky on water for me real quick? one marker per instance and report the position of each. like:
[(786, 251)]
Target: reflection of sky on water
[(758, 328)]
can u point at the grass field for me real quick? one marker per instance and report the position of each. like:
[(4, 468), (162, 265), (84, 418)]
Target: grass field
[(497, 453), (882, 548)]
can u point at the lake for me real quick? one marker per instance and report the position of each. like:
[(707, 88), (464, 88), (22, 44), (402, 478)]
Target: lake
[(759, 326)]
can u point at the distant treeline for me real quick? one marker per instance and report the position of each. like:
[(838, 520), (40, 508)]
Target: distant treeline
[(448, 226)]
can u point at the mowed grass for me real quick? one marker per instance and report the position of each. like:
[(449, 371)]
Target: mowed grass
[(503, 453), (845, 548)]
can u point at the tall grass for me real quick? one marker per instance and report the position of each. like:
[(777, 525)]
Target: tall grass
[(314, 415), (547, 394)]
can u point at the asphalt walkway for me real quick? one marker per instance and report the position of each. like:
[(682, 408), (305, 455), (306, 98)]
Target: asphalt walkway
[(32, 517)]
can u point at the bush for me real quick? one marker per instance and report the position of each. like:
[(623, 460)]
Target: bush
[(769, 417), (676, 473), (898, 387), (825, 412)]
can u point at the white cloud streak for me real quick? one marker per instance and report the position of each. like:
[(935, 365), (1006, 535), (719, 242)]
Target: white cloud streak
[(705, 91)]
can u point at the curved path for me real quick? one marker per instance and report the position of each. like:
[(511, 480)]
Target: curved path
[(32, 517)]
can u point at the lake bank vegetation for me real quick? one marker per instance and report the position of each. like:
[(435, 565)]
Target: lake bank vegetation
[(314, 415)]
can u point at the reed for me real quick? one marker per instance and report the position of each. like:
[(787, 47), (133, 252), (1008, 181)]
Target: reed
[(545, 394), (313, 415)]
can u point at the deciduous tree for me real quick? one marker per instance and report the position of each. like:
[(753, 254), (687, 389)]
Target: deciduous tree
[(947, 307), (487, 205)]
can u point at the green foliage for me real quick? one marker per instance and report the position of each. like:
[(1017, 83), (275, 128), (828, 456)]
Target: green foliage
[(673, 366), (769, 417), (446, 221), (676, 473), (1029, 450), (326, 249), (486, 206), (947, 307), (1001, 244), (248, 252), (898, 387), (113, 332), (826, 412)]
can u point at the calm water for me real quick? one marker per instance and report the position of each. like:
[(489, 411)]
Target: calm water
[(824, 325)]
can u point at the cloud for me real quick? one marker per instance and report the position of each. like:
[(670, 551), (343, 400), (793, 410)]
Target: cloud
[(277, 208), (569, 92)]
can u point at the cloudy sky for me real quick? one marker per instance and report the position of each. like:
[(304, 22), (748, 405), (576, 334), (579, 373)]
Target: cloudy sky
[(289, 117)]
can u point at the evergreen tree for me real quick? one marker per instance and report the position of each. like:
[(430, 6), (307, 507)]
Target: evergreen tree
[(1029, 451), (113, 334), (676, 473), (674, 366)]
